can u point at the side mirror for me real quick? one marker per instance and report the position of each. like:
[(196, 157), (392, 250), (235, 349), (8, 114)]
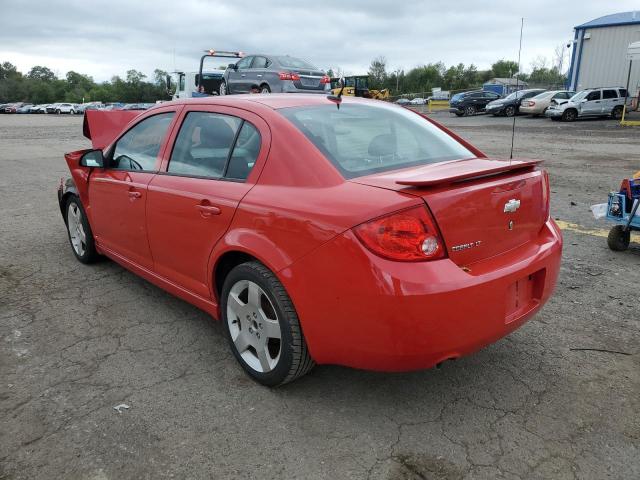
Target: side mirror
[(233, 66), (93, 158)]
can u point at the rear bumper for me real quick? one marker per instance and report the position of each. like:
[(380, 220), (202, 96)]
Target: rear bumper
[(531, 110), (289, 87), (362, 311)]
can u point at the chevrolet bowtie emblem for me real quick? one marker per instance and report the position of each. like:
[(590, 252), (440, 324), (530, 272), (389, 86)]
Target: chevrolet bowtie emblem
[(511, 206)]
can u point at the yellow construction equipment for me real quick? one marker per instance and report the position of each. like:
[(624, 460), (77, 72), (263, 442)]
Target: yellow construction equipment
[(357, 86)]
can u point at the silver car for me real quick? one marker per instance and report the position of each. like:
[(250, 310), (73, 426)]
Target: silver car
[(273, 73), (593, 102)]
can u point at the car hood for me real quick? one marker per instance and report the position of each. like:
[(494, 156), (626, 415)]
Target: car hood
[(495, 103)]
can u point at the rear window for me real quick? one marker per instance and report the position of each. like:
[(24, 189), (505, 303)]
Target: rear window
[(292, 62), (361, 139)]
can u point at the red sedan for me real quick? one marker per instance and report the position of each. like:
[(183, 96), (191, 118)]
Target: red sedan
[(365, 235)]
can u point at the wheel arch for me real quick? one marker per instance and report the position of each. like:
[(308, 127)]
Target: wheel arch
[(239, 247)]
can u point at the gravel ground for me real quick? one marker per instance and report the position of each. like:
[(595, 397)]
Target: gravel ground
[(77, 340)]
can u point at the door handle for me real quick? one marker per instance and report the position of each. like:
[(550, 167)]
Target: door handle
[(259, 76), (134, 194), (242, 75), (208, 210)]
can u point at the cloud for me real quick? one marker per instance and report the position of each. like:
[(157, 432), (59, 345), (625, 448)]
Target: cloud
[(105, 38)]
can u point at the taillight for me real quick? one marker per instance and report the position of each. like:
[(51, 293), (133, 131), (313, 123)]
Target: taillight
[(409, 236), (545, 195), (325, 79), (289, 76), (531, 104)]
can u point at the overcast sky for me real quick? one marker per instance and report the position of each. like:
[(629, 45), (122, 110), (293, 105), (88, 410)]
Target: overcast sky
[(106, 38)]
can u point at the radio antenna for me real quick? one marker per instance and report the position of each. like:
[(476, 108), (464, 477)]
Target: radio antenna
[(513, 127)]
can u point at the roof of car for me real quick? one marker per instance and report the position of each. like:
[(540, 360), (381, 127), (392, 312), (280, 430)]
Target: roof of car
[(273, 100)]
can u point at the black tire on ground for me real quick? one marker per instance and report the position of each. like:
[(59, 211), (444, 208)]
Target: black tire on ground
[(222, 90), (617, 112), (264, 88), (618, 239), (569, 115), (58, 112), (294, 359), (90, 255), (510, 111), (469, 111)]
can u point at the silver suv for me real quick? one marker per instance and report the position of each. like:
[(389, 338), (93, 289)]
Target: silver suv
[(593, 102), (273, 73)]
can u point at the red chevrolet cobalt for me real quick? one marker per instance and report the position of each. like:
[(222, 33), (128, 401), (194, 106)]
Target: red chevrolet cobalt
[(355, 233)]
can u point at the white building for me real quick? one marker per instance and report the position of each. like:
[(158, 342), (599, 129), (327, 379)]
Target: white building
[(599, 54)]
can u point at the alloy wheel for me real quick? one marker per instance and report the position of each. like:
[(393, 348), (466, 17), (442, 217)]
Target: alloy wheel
[(254, 326), (76, 230)]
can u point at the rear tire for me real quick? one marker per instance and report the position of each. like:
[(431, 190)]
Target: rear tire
[(618, 239), (617, 112), (265, 88), (79, 231), (569, 115), (469, 111), (258, 316)]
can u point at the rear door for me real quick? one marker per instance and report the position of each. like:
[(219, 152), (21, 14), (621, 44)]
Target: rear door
[(214, 162), (609, 100), (256, 74), (118, 193)]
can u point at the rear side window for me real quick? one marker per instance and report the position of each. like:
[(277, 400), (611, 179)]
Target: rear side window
[(609, 94), (212, 145), (139, 147), (363, 139), (623, 92)]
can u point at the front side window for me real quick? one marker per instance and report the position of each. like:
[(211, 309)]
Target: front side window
[(212, 145), (363, 139), (138, 148), (595, 95), (259, 62), (244, 63)]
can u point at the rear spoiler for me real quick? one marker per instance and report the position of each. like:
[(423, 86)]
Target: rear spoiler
[(465, 170), (103, 126)]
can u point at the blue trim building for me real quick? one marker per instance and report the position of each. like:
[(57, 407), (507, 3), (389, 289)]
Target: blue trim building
[(598, 55)]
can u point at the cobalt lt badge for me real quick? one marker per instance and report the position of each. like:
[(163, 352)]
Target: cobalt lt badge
[(510, 224)]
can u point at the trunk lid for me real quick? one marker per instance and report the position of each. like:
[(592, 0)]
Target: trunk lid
[(309, 79), (482, 207)]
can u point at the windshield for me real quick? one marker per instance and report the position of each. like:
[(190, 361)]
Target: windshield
[(364, 139), (457, 96), (579, 96), (292, 62), (514, 95)]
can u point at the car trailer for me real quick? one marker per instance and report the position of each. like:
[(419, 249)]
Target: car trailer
[(621, 210)]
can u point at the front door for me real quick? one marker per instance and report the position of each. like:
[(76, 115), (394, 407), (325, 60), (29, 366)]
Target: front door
[(237, 78), (118, 193), (592, 105), (192, 201)]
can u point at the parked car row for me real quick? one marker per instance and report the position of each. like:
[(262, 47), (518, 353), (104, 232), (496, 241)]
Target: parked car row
[(69, 108), (565, 105)]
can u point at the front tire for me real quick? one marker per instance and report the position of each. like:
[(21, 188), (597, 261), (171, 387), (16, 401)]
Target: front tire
[(262, 326), (222, 90), (618, 239), (58, 112), (79, 230), (510, 111), (569, 115)]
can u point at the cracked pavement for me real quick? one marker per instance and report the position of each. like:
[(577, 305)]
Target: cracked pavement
[(77, 340)]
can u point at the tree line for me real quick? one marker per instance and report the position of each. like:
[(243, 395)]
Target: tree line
[(41, 85), (424, 78)]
